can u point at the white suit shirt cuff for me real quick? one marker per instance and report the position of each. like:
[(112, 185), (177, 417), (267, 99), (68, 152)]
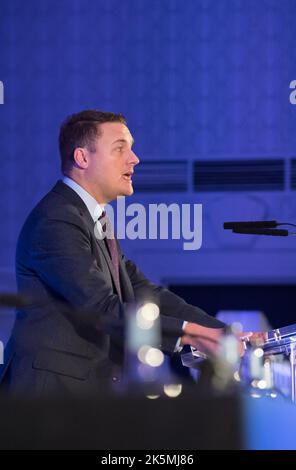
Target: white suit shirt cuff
[(179, 347)]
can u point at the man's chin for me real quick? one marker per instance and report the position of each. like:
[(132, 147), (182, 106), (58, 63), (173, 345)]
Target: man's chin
[(126, 192), (131, 191)]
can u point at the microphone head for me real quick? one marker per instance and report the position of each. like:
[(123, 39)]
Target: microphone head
[(250, 224)]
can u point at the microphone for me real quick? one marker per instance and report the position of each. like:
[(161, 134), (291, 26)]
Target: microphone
[(253, 224), (261, 231)]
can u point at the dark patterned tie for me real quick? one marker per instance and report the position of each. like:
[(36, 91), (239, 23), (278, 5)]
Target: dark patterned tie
[(112, 247)]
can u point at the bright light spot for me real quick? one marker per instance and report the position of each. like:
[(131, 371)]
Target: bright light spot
[(258, 352), (261, 384), (172, 390), (152, 397), (236, 376), (149, 312), (142, 353), (273, 395), (154, 357), (142, 322), (255, 395)]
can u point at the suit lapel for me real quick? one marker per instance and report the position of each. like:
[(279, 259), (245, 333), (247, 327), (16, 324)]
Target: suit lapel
[(75, 199), (125, 283)]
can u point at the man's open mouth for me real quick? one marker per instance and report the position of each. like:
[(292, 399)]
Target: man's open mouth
[(128, 176)]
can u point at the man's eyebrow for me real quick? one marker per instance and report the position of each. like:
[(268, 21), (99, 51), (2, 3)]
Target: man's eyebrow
[(123, 141)]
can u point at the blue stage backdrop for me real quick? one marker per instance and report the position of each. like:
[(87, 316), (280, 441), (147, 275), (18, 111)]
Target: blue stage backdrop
[(204, 85)]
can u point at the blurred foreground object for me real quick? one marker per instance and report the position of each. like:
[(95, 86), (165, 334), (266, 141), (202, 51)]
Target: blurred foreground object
[(191, 421), (146, 368)]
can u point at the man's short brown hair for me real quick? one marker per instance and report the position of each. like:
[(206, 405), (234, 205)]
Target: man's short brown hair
[(81, 130)]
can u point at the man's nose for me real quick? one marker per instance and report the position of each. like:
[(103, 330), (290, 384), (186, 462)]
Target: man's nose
[(134, 159)]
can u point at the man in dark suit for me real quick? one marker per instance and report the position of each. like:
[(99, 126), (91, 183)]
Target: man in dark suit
[(61, 261)]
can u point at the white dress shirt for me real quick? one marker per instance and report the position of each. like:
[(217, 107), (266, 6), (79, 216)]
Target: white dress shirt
[(94, 208)]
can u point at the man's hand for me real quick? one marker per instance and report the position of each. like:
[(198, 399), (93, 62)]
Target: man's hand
[(257, 338), (207, 340), (204, 339)]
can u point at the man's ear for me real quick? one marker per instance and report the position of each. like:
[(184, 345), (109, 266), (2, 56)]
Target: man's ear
[(80, 157)]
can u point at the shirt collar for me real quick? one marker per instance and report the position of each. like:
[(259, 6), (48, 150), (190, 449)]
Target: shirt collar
[(92, 205)]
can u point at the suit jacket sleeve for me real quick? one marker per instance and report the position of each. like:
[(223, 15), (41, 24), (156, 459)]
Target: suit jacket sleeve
[(60, 252), (173, 309)]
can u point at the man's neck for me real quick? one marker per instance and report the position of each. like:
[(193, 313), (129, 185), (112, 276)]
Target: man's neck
[(88, 187), (95, 209)]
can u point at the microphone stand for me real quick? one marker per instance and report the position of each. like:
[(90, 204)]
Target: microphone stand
[(281, 340)]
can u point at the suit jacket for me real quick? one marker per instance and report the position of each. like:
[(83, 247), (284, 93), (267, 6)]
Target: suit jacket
[(70, 336)]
